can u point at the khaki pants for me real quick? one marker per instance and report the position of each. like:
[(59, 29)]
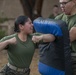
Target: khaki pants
[(74, 64), (7, 71)]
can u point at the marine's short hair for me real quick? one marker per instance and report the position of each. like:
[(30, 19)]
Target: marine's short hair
[(20, 20)]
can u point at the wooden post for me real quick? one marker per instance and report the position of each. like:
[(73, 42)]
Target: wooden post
[(37, 9)]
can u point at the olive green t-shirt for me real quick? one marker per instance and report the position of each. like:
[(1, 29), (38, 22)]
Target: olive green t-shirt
[(71, 22), (52, 16), (20, 54)]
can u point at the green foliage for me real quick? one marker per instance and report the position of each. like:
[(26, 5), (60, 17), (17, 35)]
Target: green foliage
[(2, 33), (3, 20)]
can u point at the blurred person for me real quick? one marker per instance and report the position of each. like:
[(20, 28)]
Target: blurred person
[(55, 12), (68, 8), (20, 47)]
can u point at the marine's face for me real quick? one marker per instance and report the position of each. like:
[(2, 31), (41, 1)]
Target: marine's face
[(28, 27), (66, 6)]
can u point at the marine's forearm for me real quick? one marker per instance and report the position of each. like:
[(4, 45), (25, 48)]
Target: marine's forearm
[(3, 44), (48, 38)]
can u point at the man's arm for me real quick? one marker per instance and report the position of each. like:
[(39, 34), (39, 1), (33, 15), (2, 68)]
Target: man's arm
[(44, 38), (72, 34), (7, 42)]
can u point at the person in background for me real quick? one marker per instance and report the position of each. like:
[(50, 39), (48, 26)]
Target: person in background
[(55, 12), (20, 47), (68, 8)]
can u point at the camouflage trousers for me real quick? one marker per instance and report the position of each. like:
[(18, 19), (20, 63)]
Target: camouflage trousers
[(74, 64), (7, 71)]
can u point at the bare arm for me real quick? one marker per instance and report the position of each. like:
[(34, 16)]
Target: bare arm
[(7, 42), (3, 44), (48, 38), (72, 34), (44, 37)]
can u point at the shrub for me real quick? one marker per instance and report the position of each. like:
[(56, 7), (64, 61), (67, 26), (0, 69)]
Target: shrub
[(2, 33), (3, 20)]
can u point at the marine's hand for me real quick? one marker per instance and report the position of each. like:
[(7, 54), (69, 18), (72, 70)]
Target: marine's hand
[(12, 40), (36, 39)]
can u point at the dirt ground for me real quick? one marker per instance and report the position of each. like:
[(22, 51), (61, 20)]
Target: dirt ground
[(34, 64)]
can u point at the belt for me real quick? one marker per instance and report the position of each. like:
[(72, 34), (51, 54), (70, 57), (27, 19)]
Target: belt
[(73, 54), (16, 68)]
